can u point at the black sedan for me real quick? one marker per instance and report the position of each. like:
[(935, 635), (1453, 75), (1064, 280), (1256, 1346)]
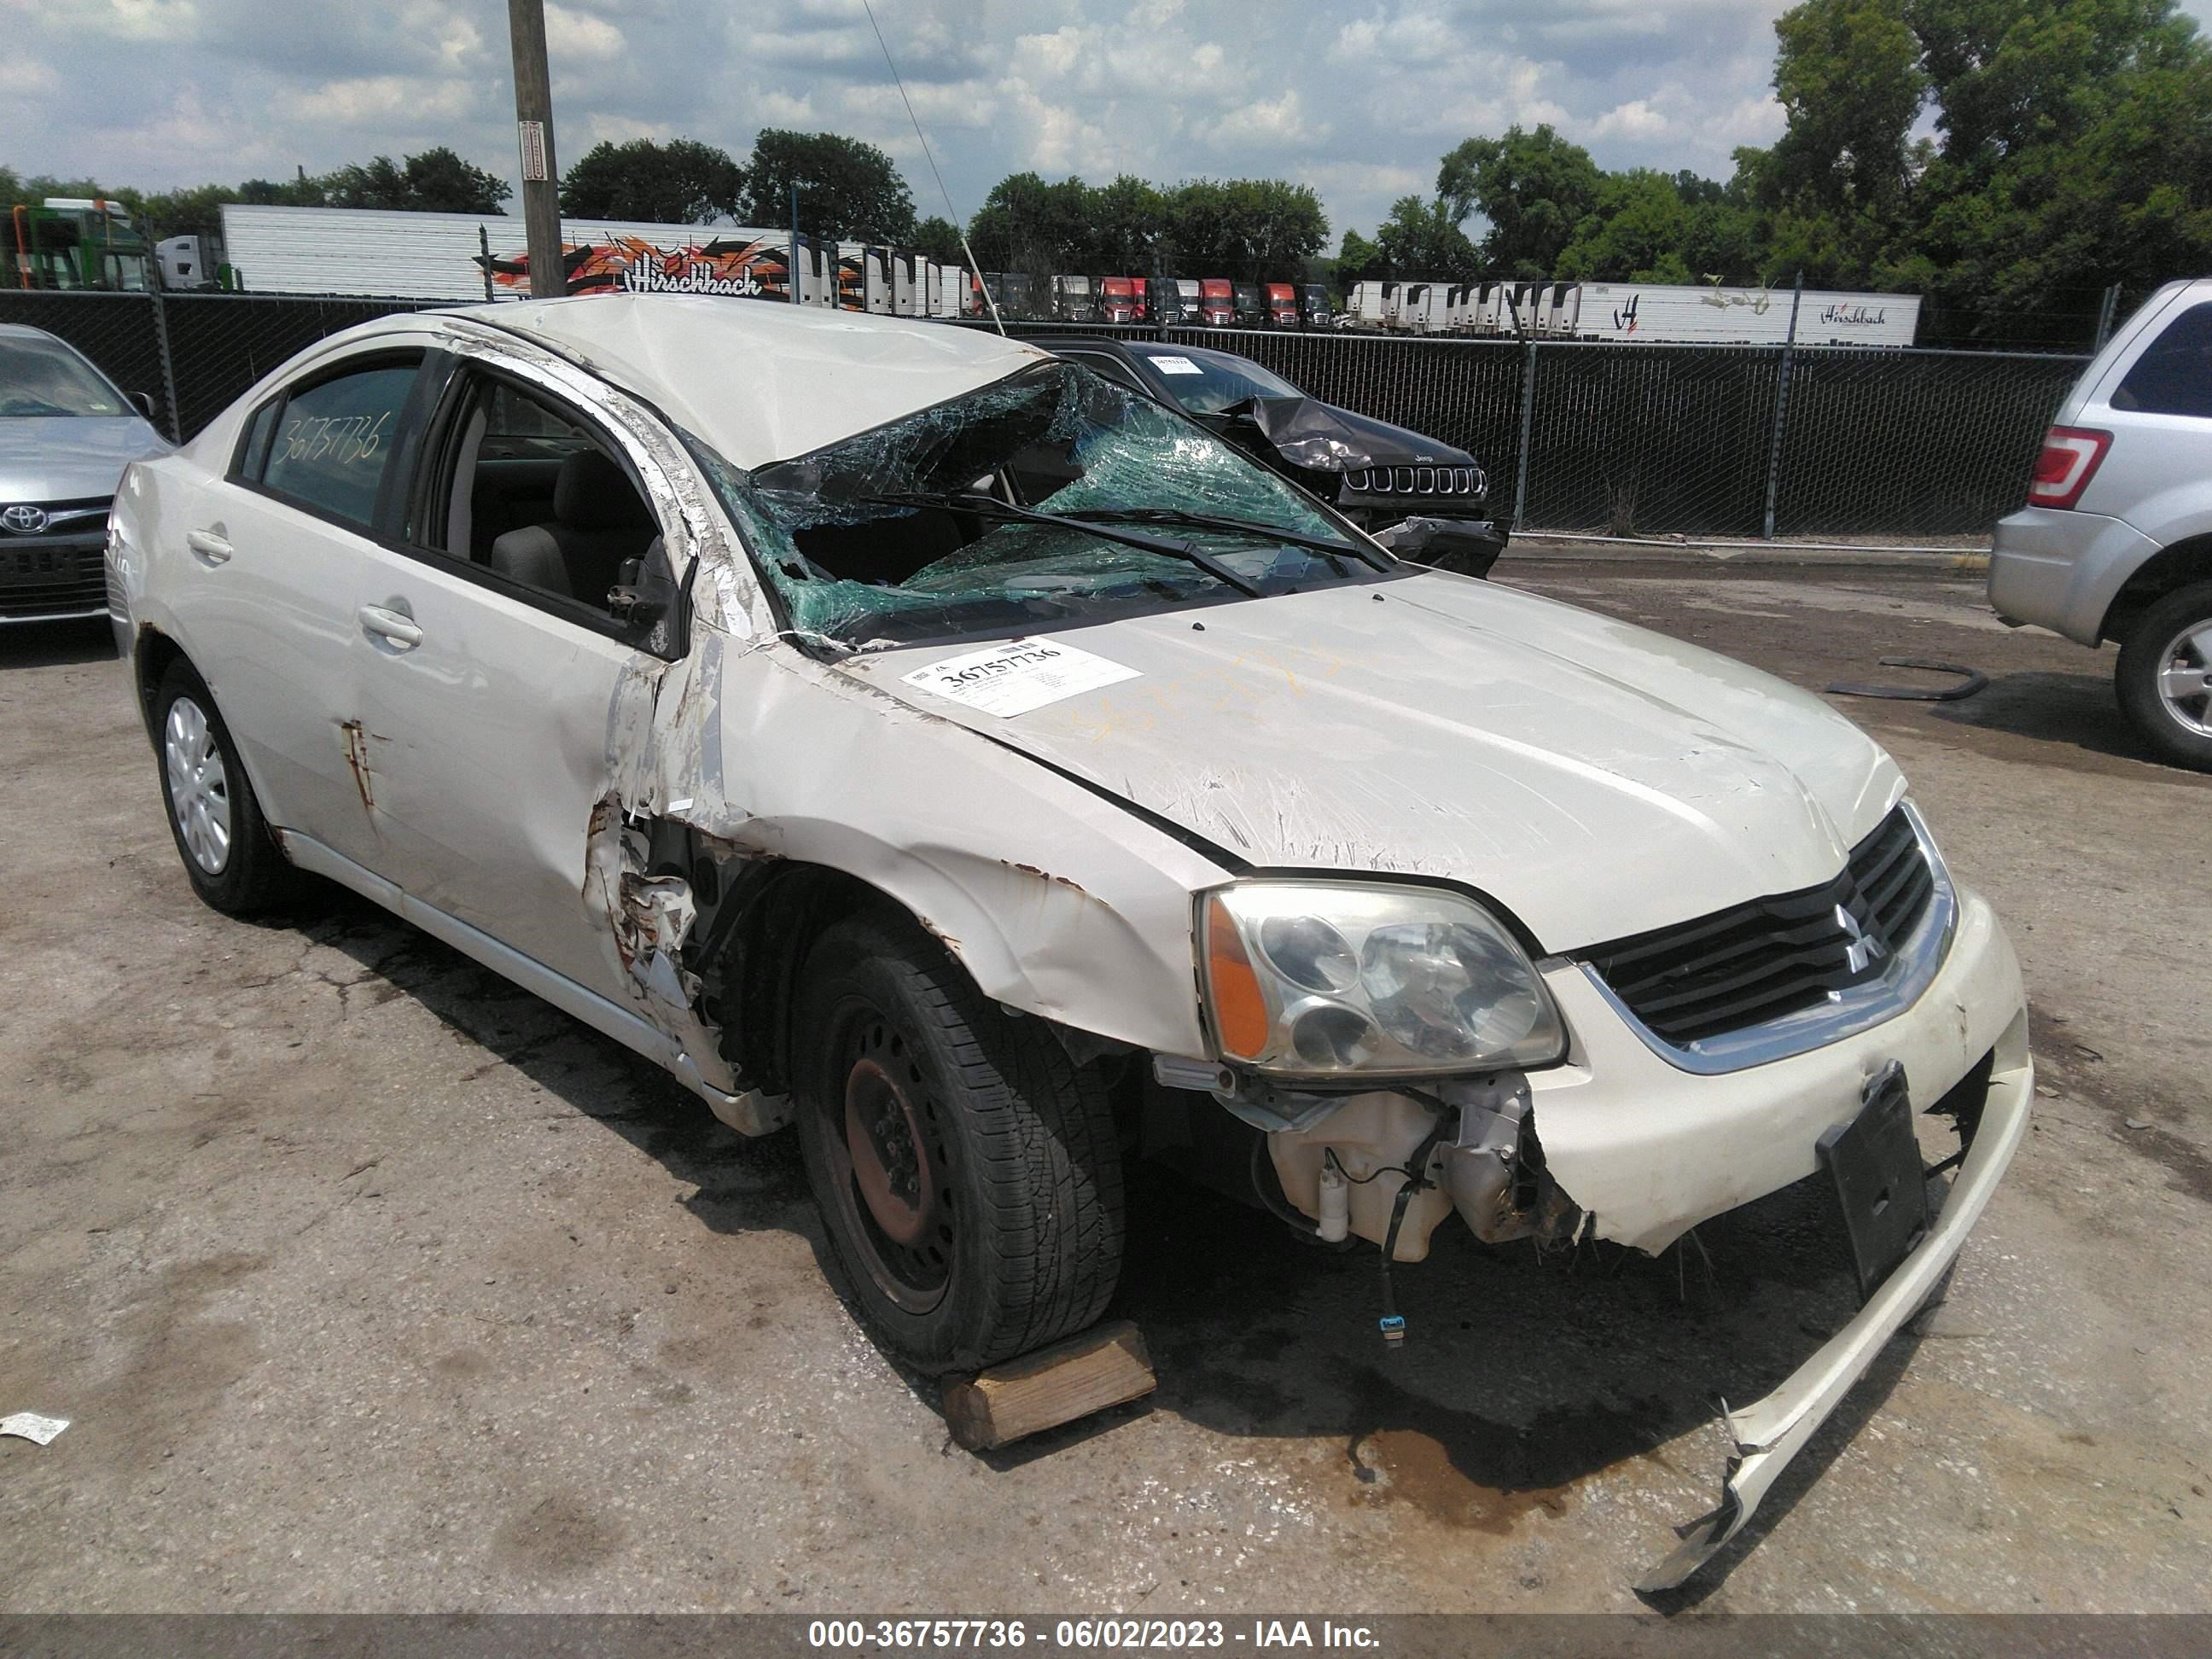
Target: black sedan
[(1426, 500)]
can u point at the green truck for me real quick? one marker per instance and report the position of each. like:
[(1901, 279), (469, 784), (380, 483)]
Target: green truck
[(78, 242)]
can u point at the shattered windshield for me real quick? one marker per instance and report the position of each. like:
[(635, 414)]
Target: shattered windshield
[(929, 527)]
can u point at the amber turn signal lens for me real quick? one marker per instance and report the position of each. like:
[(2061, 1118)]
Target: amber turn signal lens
[(1240, 1008)]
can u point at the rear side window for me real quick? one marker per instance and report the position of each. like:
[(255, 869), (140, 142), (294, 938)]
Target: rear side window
[(2174, 374), (334, 439)]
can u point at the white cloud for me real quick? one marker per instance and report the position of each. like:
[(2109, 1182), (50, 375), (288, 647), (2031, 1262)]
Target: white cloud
[(410, 100), (1633, 119), (1358, 100), (578, 34), (602, 128), (136, 20)]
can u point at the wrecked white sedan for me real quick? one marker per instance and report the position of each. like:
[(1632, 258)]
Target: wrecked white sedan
[(901, 733)]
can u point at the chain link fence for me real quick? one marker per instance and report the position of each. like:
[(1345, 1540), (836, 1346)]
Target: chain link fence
[(1586, 436)]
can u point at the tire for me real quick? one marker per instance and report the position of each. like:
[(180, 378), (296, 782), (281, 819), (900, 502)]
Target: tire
[(232, 861), (2164, 675), (996, 1221)]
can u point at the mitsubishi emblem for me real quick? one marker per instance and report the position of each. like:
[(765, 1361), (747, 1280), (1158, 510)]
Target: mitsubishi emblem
[(24, 520), (1862, 949)]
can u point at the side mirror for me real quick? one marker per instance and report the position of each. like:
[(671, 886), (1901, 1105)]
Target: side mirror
[(1468, 547), (647, 602), (144, 403)]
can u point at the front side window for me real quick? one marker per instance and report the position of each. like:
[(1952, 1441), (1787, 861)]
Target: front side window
[(928, 527), (334, 439), (40, 379), (2173, 376)]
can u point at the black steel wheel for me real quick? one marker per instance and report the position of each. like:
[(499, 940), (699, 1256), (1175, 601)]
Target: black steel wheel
[(967, 1173)]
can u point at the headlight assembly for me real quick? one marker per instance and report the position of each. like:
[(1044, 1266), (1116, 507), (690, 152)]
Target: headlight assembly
[(1318, 979)]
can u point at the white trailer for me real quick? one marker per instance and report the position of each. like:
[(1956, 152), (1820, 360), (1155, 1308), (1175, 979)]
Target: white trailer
[(1722, 315), (441, 256)]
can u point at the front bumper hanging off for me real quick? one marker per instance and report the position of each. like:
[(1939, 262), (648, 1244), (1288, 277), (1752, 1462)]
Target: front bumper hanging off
[(1770, 1433)]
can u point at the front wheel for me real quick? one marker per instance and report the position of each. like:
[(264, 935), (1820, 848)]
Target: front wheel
[(2164, 675), (967, 1173)]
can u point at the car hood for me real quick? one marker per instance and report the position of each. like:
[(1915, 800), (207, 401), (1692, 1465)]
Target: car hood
[(1595, 779), (1322, 438), (71, 458)]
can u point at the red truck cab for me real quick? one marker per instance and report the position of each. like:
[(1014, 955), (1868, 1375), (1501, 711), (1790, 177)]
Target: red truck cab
[(1217, 303), (1117, 299), (1282, 306)]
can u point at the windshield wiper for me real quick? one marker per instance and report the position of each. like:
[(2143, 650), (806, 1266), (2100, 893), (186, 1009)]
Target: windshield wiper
[(990, 507), (1216, 521)]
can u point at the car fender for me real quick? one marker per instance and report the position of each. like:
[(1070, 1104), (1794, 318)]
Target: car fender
[(1056, 900)]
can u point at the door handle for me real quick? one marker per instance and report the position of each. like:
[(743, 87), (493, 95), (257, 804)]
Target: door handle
[(212, 545), (390, 627)]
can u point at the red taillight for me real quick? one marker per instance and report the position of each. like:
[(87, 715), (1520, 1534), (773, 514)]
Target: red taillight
[(2070, 459)]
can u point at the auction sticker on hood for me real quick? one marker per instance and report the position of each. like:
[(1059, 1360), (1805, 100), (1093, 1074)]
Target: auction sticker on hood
[(1019, 676), (1175, 365)]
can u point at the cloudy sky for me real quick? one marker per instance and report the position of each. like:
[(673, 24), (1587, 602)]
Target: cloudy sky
[(1358, 100)]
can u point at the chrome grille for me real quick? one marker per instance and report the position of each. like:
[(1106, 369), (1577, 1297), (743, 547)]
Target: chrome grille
[(1758, 962), (1417, 481)]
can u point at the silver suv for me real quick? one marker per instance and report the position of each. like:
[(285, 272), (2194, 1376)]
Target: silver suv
[(66, 433), (2116, 540)]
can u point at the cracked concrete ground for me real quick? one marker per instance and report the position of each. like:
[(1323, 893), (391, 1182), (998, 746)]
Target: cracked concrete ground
[(370, 1282)]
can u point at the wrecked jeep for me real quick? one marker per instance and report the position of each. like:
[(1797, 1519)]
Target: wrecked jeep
[(906, 736)]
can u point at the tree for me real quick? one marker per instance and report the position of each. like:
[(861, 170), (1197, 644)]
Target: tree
[(682, 182), (1422, 239), (1534, 188), (436, 181), (1253, 229), (848, 190), (1635, 233), (1851, 85), (1356, 260), (1035, 228), (938, 239)]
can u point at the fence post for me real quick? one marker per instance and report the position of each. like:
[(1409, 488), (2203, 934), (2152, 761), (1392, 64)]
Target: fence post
[(2105, 318), (1527, 420), (169, 368), (1781, 403)]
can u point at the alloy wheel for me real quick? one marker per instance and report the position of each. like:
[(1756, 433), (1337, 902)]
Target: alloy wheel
[(2185, 677)]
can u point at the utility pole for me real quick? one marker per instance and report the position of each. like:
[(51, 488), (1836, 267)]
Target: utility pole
[(533, 117)]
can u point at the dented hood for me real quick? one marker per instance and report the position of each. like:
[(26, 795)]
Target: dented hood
[(1322, 438), (1597, 779)]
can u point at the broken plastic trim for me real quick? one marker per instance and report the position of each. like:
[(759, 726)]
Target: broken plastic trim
[(1971, 680), (1767, 1434)]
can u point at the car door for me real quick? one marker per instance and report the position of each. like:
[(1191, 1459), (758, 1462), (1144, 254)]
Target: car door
[(277, 560), (486, 694)]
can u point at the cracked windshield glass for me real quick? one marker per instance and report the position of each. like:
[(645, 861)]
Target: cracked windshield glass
[(1050, 496)]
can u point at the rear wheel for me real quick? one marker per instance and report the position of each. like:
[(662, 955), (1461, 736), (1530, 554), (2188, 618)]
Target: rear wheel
[(967, 1173), (2164, 675), (229, 854)]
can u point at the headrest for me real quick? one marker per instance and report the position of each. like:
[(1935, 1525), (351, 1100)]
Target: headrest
[(591, 492)]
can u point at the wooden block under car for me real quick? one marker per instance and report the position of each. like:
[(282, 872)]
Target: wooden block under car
[(1104, 1366)]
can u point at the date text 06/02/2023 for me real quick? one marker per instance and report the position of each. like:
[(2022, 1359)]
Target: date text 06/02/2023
[(1086, 1635)]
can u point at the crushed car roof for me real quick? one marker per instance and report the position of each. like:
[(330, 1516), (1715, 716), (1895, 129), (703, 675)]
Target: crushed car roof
[(758, 381)]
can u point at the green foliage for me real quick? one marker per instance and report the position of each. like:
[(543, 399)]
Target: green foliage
[(436, 181), (1534, 188), (938, 239), (848, 190), (2073, 150), (1253, 229), (682, 182)]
